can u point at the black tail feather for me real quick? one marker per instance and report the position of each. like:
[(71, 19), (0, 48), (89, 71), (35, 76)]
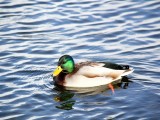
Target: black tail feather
[(125, 67), (116, 66)]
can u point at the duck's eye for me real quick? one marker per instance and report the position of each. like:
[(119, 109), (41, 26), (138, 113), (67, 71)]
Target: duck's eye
[(63, 62)]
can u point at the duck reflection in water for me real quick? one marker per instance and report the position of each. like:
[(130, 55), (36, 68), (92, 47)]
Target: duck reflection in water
[(65, 98), (65, 95)]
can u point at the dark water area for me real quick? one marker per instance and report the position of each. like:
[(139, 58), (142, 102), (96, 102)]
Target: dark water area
[(35, 33)]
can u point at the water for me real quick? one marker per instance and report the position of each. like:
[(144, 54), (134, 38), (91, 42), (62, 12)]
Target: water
[(35, 33)]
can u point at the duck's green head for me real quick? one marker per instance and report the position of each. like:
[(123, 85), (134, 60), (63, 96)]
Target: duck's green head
[(65, 64)]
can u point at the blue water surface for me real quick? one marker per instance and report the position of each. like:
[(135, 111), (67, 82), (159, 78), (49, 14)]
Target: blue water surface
[(35, 33)]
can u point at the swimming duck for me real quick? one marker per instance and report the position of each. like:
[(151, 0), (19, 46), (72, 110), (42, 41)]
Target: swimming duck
[(88, 74)]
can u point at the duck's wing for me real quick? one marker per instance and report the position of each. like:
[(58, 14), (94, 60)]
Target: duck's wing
[(102, 69), (104, 64), (127, 69), (96, 71)]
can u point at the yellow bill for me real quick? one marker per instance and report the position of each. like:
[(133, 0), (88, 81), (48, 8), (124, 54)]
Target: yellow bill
[(57, 71)]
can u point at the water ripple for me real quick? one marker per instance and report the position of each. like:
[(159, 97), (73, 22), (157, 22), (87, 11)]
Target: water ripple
[(34, 34)]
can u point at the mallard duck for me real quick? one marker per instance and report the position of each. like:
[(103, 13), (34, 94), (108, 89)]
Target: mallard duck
[(88, 74)]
